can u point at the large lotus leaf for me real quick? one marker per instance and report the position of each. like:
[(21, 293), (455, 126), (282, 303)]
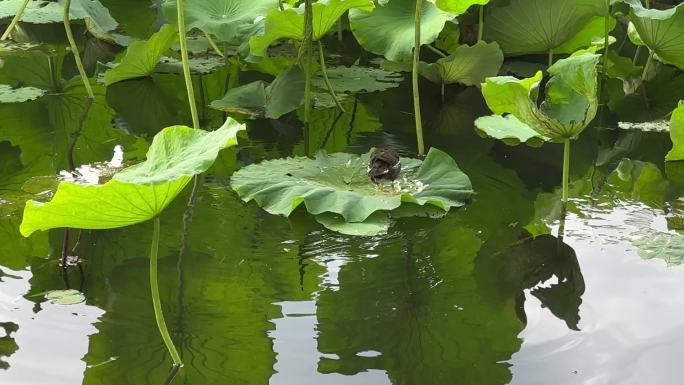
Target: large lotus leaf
[(389, 29), (537, 26), (222, 18), (142, 56), (458, 7), (593, 32), (289, 23), (466, 65), (661, 30), (677, 134), (654, 244), (18, 95), (337, 183), (570, 103), (41, 12), (509, 130), (137, 193), (285, 94), (359, 79)]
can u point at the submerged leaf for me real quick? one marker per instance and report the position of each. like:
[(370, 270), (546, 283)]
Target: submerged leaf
[(337, 183), (359, 79), (142, 56), (661, 30), (18, 95), (468, 65), (137, 193), (677, 134), (389, 30)]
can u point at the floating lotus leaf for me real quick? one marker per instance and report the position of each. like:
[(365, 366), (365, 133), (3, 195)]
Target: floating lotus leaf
[(389, 29), (65, 297), (18, 95), (289, 23), (259, 98), (655, 244), (137, 193), (661, 30), (359, 79), (42, 12), (537, 26), (466, 65), (677, 134), (337, 183), (458, 7), (222, 18), (570, 105), (142, 56), (198, 65)]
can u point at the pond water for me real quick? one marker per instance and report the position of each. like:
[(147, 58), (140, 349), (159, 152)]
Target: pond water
[(491, 294)]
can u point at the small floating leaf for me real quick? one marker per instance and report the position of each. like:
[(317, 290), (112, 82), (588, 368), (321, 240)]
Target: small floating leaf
[(65, 297), (198, 65), (18, 95), (359, 79)]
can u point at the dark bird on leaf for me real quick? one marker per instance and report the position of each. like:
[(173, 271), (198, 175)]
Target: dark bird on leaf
[(384, 165)]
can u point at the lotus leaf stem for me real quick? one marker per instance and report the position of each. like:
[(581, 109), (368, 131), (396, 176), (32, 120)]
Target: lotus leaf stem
[(306, 47), (213, 45), (156, 303), (74, 50), (339, 29), (324, 70), (566, 170), (550, 57), (606, 42), (15, 20), (435, 50), (186, 65), (647, 66), (280, 5), (480, 29), (414, 79)]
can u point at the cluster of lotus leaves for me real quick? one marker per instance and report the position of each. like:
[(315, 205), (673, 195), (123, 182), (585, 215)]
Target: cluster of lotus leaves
[(137, 193), (570, 103), (336, 189)]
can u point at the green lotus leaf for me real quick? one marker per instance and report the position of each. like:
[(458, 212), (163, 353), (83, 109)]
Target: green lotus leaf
[(538, 26), (42, 12), (376, 223), (570, 101), (661, 30), (359, 79), (466, 65), (509, 129), (677, 134), (337, 183), (137, 193), (592, 36), (222, 18), (389, 30), (289, 23), (142, 56), (257, 99), (198, 65), (18, 95), (458, 7), (655, 244), (65, 297)]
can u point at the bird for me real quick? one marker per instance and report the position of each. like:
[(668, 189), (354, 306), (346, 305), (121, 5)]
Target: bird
[(384, 165)]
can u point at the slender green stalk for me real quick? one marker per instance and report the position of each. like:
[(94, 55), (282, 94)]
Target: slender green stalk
[(324, 70), (213, 45), (156, 302), (566, 170), (339, 29), (15, 20), (647, 66), (186, 65), (480, 29), (550, 57), (435, 50), (606, 41), (305, 52), (74, 50), (414, 79)]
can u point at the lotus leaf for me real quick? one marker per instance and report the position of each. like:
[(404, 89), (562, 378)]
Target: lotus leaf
[(41, 12), (285, 94), (359, 79), (458, 7), (655, 244), (570, 103), (222, 18), (137, 193), (289, 23), (18, 95), (677, 134), (142, 56), (65, 297), (389, 30), (661, 30), (198, 65), (337, 183), (538, 26), (466, 65)]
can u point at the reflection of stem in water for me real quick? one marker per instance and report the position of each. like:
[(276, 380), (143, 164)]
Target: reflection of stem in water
[(353, 120), (63, 263), (647, 67), (74, 50), (156, 302), (15, 20), (200, 82), (172, 375), (331, 129), (326, 79), (566, 170), (561, 224), (77, 133)]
